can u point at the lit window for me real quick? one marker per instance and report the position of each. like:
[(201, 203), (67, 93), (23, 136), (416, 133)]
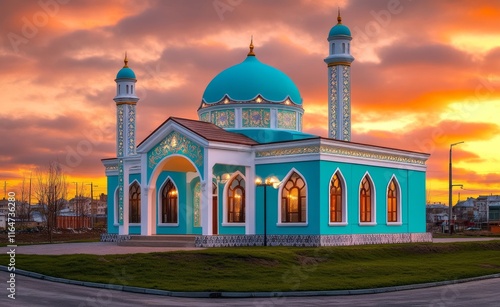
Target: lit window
[(336, 199), (366, 200), (392, 202), (169, 203), (236, 200), (135, 203), (293, 200)]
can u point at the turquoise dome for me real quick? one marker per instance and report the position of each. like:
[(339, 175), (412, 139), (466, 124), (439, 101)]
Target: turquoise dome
[(340, 29), (125, 73), (249, 79)]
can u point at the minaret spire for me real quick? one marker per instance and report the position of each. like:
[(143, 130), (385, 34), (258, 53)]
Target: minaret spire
[(339, 81), (251, 53), (125, 61)]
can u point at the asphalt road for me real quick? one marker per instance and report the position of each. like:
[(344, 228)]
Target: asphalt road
[(36, 292)]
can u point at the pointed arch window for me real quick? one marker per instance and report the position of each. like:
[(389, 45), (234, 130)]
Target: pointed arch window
[(337, 199), (127, 88), (236, 200), (366, 198), (393, 202), (293, 200), (169, 203), (135, 203)]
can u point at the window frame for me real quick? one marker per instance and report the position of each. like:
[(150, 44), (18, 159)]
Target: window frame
[(130, 203), (280, 199), (343, 205), (373, 201), (398, 202), (227, 185), (160, 203)]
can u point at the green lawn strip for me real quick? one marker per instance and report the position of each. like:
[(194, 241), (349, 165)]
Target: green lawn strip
[(277, 268)]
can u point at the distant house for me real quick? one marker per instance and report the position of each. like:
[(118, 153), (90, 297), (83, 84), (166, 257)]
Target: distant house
[(437, 213), (466, 210)]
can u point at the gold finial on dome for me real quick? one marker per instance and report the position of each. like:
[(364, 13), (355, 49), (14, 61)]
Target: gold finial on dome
[(339, 19), (125, 61), (250, 53)]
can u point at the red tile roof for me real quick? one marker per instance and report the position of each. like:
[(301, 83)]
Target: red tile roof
[(208, 131)]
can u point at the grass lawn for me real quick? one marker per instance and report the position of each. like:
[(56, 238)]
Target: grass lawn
[(277, 268)]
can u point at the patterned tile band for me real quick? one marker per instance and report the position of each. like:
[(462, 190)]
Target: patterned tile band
[(256, 118), (176, 143), (119, 119), (120, 192), (346, 103), (131, 150), (338, 151), (333, 103)]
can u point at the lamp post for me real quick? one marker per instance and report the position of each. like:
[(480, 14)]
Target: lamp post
[(450, 188), (270, 181)]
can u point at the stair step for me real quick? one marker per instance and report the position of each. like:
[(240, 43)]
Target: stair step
[(160, 241), (156, 243), (163, 238)]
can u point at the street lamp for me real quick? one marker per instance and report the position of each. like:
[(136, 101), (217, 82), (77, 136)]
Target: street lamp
[(450, 188), (270, 181)]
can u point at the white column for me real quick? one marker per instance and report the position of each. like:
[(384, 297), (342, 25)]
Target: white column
[(250, 200), (206, 199), (124, 228)]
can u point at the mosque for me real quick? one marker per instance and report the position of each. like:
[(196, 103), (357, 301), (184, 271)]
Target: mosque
[(245, 174)]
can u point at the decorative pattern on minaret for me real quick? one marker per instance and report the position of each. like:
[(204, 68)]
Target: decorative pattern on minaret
[(131, 130), (346, 102), (120, 192), (332, 116), (119, 134)]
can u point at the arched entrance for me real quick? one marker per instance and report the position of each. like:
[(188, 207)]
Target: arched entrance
[(174, 170)]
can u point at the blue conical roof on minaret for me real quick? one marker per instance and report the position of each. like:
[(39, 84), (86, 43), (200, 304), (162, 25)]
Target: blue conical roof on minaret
[(125, 72), (339, 28)]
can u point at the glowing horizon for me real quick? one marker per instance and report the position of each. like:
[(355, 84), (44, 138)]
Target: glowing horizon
[(421, 79)]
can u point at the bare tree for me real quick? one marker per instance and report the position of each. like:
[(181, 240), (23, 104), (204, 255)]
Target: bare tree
[(50, 190), (23, 206)]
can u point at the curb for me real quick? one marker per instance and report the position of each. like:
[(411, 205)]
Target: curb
[(245, 294)]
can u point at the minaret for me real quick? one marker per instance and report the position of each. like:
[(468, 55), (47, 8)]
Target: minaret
[(126, 100), (339, 82)]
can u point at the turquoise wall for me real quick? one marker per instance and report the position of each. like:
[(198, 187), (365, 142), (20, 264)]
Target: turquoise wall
[(185, 224), (112, 183), (219, 170), (309, 170), (318, 175), (417, 191)]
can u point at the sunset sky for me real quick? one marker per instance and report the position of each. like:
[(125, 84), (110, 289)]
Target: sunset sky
[(426, 74)]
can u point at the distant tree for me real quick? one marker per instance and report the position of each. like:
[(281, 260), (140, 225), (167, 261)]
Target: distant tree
[(23, 207), (50, 190)]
